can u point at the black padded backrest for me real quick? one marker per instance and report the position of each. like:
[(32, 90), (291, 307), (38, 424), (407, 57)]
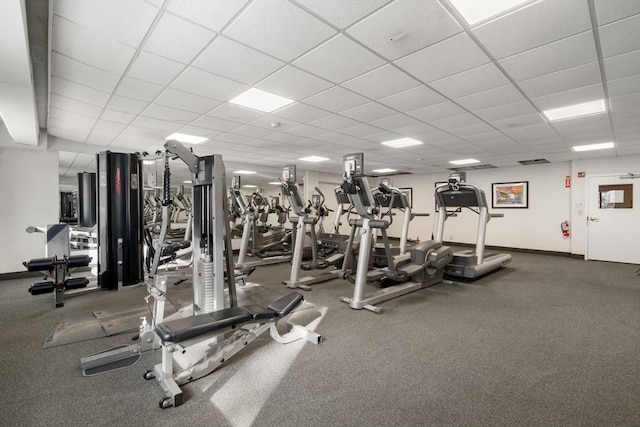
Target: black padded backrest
[(182, 329), (284, 305)]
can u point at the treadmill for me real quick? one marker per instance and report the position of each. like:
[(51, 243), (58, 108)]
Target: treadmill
[(450, 199)]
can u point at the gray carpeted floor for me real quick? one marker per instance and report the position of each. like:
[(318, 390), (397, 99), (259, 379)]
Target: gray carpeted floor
[(549, 340)]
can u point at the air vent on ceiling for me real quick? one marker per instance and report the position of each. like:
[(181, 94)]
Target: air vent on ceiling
[(533, 161), (472, 168)]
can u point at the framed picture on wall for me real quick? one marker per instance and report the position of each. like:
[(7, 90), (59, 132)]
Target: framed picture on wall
[(409, 193), (510, 194)]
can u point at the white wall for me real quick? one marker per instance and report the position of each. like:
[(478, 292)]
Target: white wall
[(612, 165), (29, 195)]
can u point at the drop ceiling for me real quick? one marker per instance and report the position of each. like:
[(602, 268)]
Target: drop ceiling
[(126, 74)]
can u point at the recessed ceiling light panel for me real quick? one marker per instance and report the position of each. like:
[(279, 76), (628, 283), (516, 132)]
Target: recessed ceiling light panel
[(244, 172), (187, 139), (314, 159), (402, 142), (464, 162), (260, 100), (591, 147), (577, 110), (383, 170), (474, 11)]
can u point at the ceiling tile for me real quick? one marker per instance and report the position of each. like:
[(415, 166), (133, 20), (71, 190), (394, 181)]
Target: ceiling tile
[(69, 117), (117, 116), (260, 26), (339, 59), (608, 11), (479, 79), (417, 131), (90, 48), (132, 142), (101, 137), (624, 86), (412, 99), (384, 81), (152, 123), (572, 78), (454, 122), (72, 70), (74, 106), (293, 83), (514, 122), (138, 89), (78, 92), (215, 123), (252, 131), (342, 13), (334, 122), (274, 123), (108, 126), (566, 53), (213, 15), (336, 99), (456, 54), (505, 111), (169, 114), (186, 101), (301, 113), (194, 130), (306, 131), (405, 26), (209, 85), (234, 113), (124, 21), (570, 97), (233, 60), (626, 106), (127, 105), (437, 111), (621, 66), (177, 39), (155, 69), (395, 122), (620, 37), (361, 130), (368, 112), (522, 30), (145, 132), (491, 98)]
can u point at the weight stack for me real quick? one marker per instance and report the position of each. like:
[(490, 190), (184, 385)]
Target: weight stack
[(120, 225), (86, 199)]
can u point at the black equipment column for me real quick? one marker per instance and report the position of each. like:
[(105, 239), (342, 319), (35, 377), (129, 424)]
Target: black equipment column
[(120, 225), (86, 199)]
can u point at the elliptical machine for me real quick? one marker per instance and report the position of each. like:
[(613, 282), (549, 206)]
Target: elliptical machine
[(421, 267)]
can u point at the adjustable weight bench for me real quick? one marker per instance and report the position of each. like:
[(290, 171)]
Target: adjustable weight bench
[(185, 358), (58, 270)]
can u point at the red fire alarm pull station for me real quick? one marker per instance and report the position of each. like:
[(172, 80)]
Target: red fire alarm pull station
[(567, 182)]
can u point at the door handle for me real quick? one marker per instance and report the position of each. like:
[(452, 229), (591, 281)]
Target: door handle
[(593, 218)]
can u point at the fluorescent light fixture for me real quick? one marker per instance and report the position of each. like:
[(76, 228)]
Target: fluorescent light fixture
[(402, 142), (148, 162), (314, 159), (243, 172), (260, 100), (474, 11), (275, 183), (384, 170), (577, 110), (590, 147), (249, 186), (464, 162), (187, 139), (187, 182)]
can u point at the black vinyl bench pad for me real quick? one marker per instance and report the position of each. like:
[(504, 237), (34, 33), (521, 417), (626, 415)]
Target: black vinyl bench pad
[(182, 329)]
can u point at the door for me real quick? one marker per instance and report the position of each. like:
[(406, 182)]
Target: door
[(613, 218)]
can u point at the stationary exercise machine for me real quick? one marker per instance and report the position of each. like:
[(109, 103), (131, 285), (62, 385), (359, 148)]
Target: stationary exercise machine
[(250, 235), (195, 346), (304, 222), (422, 266), (450, 199)]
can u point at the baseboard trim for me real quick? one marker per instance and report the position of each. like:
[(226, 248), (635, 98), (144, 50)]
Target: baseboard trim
[(521, 250)]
